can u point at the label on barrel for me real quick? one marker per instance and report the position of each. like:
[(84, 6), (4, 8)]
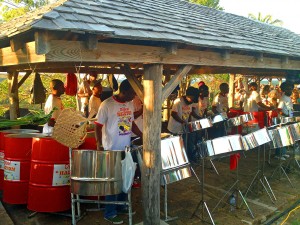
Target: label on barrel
[(1, 160), (12, 170), (61, 175)]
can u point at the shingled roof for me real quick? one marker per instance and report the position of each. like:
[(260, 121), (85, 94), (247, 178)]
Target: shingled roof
[(158, 20)]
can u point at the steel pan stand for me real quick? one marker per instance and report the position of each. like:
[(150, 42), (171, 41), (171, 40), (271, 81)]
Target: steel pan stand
[(202, 202), (260, 176), (167, 218), (235, 188), (280, 169)]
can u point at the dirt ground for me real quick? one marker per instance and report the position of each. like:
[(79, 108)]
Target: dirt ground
[(184, 196)]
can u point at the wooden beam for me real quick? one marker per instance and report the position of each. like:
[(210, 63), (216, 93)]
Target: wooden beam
[(41, 42), (76, 51), (231, 90), (175, 80), (92, 42), (24, 78), (13, 94), (172, 48), (285, 60), (225, 54), (134, 82), (21, 56), (152, 144), (260, 57), (16, 44)]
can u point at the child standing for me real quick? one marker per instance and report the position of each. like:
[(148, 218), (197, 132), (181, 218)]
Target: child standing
[(54, 101)]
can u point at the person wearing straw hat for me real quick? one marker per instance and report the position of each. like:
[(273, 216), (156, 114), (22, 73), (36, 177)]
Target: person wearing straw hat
[(114, 125), (53, 101)]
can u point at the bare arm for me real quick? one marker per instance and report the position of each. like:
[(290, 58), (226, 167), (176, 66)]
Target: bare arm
[(98, 136), (136, 130), (194, 114), (177, 118), (138, 113)]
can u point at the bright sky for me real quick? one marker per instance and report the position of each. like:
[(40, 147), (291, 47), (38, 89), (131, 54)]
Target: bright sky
[(286, 11)]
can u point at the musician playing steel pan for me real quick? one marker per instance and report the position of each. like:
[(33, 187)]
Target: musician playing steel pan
[(115, 122), (220, 105), (285, 108), (182, 110)]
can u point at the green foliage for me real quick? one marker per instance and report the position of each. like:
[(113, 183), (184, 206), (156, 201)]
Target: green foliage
[(265, 19), (209, 3), (15, 8), (24, 93)]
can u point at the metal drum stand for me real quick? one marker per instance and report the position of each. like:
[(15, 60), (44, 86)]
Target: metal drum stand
[(202, 202), (236, 145), (257, 139), (283, 138)]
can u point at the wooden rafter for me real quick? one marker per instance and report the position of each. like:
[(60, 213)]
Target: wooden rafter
[(175, 80), (137, 86)]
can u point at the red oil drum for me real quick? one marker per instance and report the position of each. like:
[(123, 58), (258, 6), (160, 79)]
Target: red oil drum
[(2, 138), (17, 155), (1, 168), (49, 185)]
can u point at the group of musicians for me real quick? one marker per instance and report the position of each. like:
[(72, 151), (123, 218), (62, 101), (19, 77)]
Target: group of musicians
[(117, 116)]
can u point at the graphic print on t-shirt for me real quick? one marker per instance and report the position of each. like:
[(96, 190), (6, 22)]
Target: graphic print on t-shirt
[(186, 110), (125, 121)]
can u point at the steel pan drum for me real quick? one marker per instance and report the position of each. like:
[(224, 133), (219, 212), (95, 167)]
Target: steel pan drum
[(247, 117), (296, 127), (194, 126), (275, 137), (286, 136), (96, 173), (219, 118), (236, 142), (236, 121), (221, 145), (250, 141), (261, 136), (288, 119), (206, 123)]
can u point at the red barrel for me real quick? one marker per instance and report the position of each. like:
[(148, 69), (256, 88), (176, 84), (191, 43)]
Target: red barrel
[(17, 155), (2, 138), (1, 168), (49, 185)]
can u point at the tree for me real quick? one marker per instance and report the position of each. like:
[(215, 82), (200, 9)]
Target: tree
[(209, 3), (265, 19), (15, 8)]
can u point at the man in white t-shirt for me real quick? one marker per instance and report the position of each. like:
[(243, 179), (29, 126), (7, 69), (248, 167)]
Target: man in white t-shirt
[(285, 108), (53, 101), (115, 122), (182, 111), (253, 103), (220, 105)]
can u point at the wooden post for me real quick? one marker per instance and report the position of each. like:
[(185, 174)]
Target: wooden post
[(257, 80), (13, 95), (231, 90), (151, 144), (167, 79)]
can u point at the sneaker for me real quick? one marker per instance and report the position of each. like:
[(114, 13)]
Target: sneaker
[(286, 156), (136, 184), (281, 158), (114, 220), (125, 211)]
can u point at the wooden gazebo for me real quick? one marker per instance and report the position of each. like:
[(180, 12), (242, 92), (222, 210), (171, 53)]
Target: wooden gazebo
[(155, 38)]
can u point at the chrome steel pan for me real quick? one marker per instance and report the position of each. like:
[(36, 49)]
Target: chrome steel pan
[(96, 173), (261, 136)]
